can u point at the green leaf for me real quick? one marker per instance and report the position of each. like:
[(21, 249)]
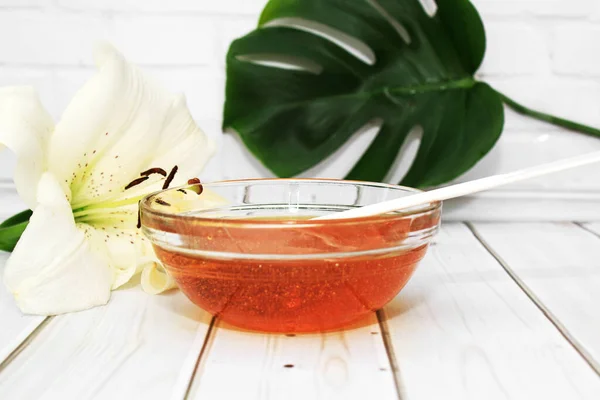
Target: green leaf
[(292, 119), (17, 219), (12, 229)]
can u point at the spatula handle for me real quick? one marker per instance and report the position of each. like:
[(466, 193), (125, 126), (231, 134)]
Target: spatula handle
[(466, 188)]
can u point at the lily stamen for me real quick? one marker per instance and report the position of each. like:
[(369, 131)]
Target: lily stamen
[(136, 182), (139, 215), (197, 185), (151, 171), (170, 177)]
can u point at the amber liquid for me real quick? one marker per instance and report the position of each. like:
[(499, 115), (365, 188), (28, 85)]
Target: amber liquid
[(291, 295)]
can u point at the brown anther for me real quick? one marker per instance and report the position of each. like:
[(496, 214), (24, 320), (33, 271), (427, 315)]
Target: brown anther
[(151, 171), (162, 202), (196, 186), (136, 182), (139, 221), (182, 191), (170, 177)]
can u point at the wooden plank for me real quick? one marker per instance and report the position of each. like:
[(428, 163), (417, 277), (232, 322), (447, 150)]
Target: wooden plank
[(559, 264), (138, 346), (252, 366), (524, 206), (462, 329), (15, 327)]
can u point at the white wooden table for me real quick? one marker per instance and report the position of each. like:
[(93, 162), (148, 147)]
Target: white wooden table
[(495, 311)]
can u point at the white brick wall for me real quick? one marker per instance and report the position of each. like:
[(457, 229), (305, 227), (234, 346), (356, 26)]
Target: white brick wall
[(543, 53), (575, 51), (515, 48), (557, 9), (226, 7)]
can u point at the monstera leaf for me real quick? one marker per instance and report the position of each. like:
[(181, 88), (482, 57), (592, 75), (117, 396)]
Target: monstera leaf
[(420, 75)]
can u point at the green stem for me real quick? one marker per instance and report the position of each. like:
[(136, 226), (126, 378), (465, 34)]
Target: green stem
[(551, 119)]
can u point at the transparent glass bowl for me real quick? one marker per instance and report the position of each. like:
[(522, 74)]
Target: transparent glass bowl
[(247, 251)]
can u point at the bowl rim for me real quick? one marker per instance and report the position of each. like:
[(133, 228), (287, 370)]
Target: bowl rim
[(146, 208)]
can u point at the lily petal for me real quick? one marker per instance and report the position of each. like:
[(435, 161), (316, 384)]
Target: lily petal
[(156, 280), (126, 251), (25, 128), (108, 132), (183, 144), (116, 127), (53, 270)]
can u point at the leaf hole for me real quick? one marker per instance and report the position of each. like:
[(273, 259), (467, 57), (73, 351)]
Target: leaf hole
[(398, 27), (282, 62), (429, 6), (352, 45), (339, 164), (406, 156)]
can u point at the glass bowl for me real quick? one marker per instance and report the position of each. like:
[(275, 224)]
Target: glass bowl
[(247, 251)]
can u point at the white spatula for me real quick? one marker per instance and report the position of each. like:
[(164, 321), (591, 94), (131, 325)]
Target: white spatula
[(463, 189)]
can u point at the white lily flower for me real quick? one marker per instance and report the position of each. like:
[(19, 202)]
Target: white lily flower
[(82, 179)]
